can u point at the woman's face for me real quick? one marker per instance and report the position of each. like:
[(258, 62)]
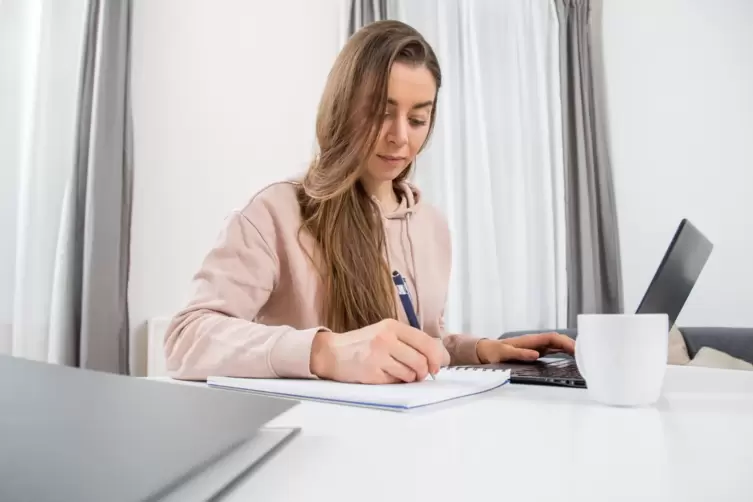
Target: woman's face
[(410, 92)]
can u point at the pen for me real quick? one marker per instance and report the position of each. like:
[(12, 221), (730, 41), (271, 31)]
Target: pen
[(402, 290)]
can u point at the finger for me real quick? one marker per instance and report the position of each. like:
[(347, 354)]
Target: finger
[(421, 342), (540, 341), (383, 377), (529, 341), (510, 353), (443, 359), (411, 358), (401, 372), (561, 342)]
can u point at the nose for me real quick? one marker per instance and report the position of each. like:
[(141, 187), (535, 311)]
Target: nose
[(397, 134)]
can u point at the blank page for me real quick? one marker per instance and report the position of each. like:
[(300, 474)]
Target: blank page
[(450, 383)]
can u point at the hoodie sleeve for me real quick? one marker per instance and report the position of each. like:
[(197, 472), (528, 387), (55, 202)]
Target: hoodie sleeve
[(462, 348), (215, 333)]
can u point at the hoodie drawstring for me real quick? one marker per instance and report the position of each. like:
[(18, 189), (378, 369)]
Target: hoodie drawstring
[(405, 214), (415, 269), (384, 233)]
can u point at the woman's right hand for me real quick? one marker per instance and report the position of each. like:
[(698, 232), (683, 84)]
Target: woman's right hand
[(386, 352)]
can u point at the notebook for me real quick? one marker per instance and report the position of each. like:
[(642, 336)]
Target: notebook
[(450, 383)]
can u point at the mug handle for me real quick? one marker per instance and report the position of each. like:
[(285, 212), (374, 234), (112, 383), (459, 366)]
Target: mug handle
[(579, 357)]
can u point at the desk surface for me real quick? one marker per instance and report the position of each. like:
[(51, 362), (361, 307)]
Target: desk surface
[(523, 443)]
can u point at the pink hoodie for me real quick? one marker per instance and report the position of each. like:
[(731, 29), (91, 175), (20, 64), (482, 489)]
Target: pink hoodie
[(254, 310)]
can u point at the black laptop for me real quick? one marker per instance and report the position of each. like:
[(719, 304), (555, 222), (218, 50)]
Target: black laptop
[(666, 294)]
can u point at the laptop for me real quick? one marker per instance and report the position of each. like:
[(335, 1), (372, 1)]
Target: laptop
[(74, 434), (667, 293)]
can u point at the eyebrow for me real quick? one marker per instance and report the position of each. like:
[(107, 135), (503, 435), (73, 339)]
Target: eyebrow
[(417, 106)]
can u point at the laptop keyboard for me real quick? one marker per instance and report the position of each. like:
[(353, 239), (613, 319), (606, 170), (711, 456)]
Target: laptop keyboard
[(565, 368)]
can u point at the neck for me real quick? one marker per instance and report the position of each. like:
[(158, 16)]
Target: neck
[(383, 191)]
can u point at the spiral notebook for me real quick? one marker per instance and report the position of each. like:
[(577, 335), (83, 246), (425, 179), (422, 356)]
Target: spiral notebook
[(450, 383)]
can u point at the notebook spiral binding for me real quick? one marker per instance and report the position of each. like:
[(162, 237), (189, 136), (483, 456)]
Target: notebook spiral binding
[(473, 368)]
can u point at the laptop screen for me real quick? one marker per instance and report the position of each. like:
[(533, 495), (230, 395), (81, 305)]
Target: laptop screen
[(677, 274)]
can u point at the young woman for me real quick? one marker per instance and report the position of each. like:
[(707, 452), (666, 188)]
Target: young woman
[(300, 282)]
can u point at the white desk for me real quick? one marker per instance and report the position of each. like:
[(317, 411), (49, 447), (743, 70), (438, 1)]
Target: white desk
[(523, 443)]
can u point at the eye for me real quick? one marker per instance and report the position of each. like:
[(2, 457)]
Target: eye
[(417, 122)]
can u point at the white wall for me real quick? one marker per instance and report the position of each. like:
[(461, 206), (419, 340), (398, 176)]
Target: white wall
[(224, 96), (680, 94)]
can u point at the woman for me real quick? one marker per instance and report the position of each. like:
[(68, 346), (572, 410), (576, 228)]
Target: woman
[(300, 282)]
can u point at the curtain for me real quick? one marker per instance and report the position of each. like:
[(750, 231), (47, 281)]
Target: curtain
[(593, 252), (68, 167), (494, 164), (363, 12)]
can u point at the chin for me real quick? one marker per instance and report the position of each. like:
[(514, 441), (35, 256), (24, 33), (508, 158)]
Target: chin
[(391, 175), (380, 171)]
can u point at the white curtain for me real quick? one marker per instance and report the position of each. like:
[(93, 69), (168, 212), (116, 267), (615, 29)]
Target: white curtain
[(494, 165), (40, 59)]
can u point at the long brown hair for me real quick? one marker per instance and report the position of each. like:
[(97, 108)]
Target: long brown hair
[(335, 208)]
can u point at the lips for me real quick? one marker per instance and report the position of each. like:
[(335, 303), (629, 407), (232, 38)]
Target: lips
[(391, 158)]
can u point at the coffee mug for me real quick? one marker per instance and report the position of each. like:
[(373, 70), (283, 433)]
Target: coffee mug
[(623, 357)]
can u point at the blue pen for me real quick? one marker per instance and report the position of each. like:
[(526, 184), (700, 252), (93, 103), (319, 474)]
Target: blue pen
[(402, 290)]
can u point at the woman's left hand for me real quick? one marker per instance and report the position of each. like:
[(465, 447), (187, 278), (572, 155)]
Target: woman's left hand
[(523, 348)]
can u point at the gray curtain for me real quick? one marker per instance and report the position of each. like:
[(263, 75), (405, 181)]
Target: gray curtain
[(593, 254), (363, 12), (94, 322)]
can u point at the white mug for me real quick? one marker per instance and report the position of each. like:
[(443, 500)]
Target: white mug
[(623, 357)]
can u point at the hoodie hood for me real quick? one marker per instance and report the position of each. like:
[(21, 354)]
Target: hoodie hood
[(410, 197)]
